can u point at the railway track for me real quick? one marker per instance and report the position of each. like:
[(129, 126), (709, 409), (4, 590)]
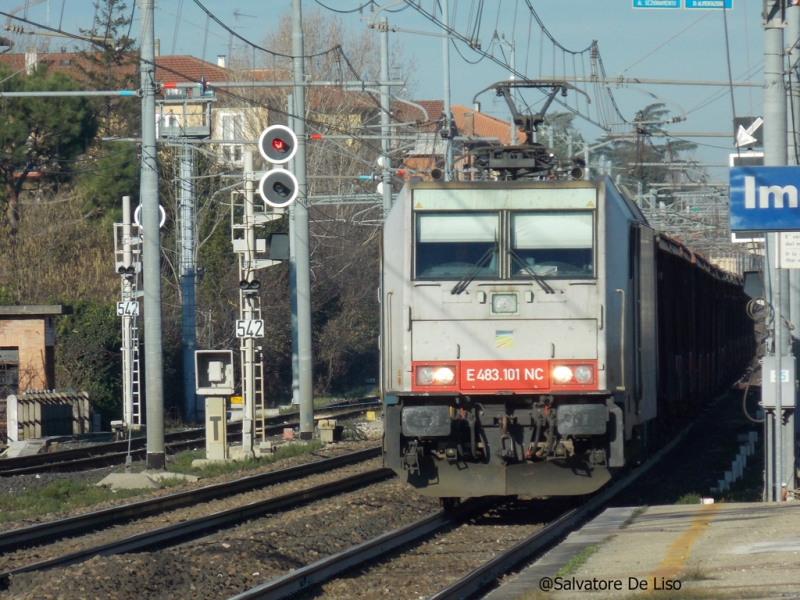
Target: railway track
[(302, 557), (191, 528), (306, 578), (115, 453)]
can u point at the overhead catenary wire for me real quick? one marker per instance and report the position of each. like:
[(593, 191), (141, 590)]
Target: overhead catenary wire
[(312, 122), (219, 22), (343, 12), (226, 92), (664, 43), (467, 41), (730, 73)]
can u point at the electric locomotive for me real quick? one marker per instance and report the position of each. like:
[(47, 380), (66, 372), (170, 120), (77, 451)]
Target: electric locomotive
[(521, 319)]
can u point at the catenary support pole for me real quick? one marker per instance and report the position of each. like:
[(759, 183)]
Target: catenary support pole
[(188, 316), (301, 239), (792, 41), (293, 273), (448, 153), (151, 252), (775, 155), (386, 173), (512, 52)]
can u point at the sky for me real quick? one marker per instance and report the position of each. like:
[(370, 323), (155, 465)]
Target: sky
[(676, 44)]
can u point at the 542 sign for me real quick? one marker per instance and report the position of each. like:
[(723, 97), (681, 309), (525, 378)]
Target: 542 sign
[(252, 328), (128, 309)]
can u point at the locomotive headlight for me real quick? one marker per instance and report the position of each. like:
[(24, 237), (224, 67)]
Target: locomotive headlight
[(562, 374), (444, 376), (426, 376), (436, 375), (504, 304), (583, 375), (573, 374)]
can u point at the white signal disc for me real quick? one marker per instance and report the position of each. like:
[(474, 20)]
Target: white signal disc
[(137, 213), (262, 190)]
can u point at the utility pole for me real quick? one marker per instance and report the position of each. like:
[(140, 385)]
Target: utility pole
[(792, 39), (301, 238), (293, 272), (386, 174), (448, 155), (151, 259), (188, 303), (775, 155)]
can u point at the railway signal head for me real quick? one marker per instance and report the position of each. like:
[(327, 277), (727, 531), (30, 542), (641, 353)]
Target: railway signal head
[(277, 144), (278, 188)]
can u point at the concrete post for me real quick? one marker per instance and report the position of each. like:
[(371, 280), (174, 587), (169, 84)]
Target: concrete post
[(448, 156), (792, 40), (188, 269), (304, 350), (293, 274), (151, 252), (386, 173), (775, 155)]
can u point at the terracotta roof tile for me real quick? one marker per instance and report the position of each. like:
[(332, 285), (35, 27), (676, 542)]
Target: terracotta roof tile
[(469, 122), (472, 122), (179, 68)]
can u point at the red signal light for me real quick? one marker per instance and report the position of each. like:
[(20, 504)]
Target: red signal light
[(279, 145)]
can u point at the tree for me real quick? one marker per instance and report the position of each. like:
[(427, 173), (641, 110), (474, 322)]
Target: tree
[(112, 67), (558, 131), (632, 157), (40, 134), (88, 355)]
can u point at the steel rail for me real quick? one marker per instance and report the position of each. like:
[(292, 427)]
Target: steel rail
[(114, 453), (321, 570), (202, 526), (490, 571), (50, 530), (17, 462), (326, 568)]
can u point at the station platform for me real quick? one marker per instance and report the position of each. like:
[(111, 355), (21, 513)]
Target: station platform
[(719, 551)]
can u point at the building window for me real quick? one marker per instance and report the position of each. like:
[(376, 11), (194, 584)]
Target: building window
[(232, 130), (9, 371)]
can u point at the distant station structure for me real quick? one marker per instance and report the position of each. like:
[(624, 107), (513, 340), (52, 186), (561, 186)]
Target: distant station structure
[(27, 350)]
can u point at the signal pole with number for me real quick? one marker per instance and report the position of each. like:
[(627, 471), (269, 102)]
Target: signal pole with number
[(248, 296), (127, 261), (278, 189)]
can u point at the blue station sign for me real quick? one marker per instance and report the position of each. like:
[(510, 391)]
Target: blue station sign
[(656, 3), (709, 4), (765, 198)]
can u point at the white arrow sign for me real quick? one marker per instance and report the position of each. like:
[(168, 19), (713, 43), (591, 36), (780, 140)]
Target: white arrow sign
[(744, 137)]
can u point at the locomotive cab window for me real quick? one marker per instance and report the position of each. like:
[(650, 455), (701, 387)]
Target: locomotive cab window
[(552, 244), (453, 245)]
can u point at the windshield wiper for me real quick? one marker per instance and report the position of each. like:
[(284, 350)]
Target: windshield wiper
[(529, 270), (473, 272)]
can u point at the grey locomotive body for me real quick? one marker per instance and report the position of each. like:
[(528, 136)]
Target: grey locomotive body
[(519, 332)]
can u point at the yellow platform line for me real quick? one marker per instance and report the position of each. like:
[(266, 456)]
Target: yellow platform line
[(678, 552)]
